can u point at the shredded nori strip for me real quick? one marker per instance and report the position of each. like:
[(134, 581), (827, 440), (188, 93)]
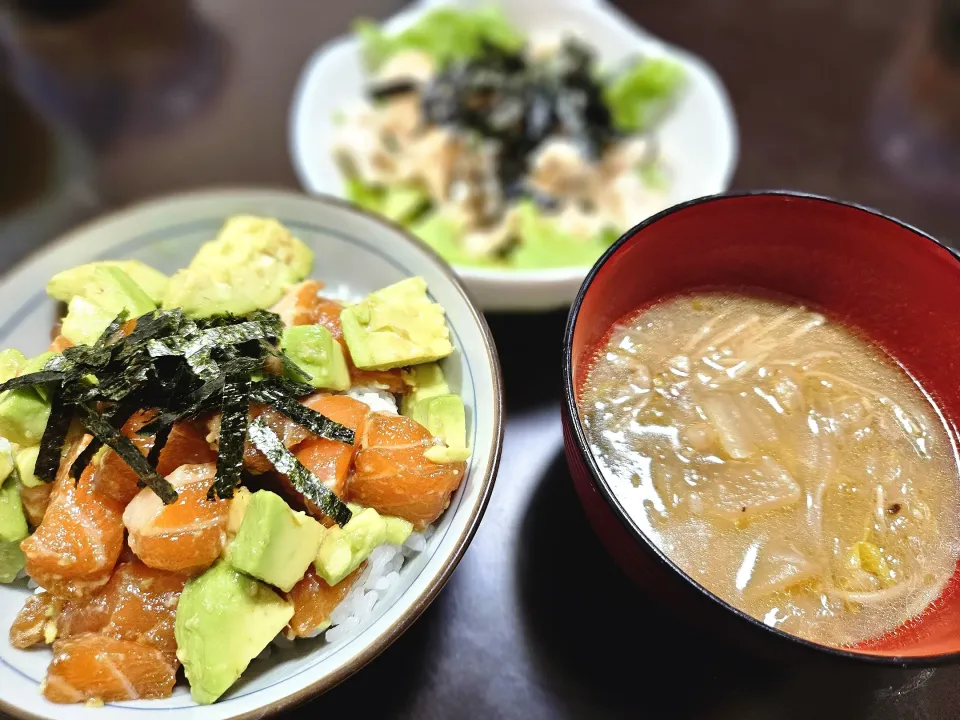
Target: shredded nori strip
[(294, 380), (387, 90), (159, 348), (84, 458), (293, 388), (516, 103), (117, 415), (54, 435), (43, 377), (118, 387), (200, 359), (302, 415), (159, 441), (267, 442), (111, 333), (149, 326), (236, 334), (128, 452), (179, 369), (235, 414), (270, 321), (196, 403)]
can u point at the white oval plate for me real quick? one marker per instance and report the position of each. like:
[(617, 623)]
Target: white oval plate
[(699, 138), (351, 248)]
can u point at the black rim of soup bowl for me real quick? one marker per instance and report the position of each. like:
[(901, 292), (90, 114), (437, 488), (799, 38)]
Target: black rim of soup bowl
[(600, 482)]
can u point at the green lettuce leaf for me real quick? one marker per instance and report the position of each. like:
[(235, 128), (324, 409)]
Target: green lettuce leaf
[(366, 196), (443, 235), (402, 204), (639, 96), (444, 33), (543, 245)]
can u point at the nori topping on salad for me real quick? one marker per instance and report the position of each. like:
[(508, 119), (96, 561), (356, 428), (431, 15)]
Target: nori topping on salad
[(306, 482), (178, 369), (387, 90), (518, 104)]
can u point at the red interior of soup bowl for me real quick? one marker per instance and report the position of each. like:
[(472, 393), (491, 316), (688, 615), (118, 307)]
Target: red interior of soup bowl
[(896, 285)]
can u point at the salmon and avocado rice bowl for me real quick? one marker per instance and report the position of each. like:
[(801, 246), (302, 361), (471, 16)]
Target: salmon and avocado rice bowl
[(205, 464)]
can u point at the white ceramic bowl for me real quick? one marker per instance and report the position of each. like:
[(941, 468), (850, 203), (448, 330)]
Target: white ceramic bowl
[(352, 248), (699, 139)]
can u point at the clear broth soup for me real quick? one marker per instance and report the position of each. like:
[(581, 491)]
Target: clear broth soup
[(785, 464)]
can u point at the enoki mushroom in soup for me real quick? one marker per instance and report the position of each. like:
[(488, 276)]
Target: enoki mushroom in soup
[(786, 464)]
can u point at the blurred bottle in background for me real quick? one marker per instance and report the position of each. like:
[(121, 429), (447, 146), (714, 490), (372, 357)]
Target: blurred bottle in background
[(112, 69), (47, 183), (29, 156), (915, 125), (57, 10)]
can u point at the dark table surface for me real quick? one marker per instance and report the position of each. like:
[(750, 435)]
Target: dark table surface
[(152, 97)]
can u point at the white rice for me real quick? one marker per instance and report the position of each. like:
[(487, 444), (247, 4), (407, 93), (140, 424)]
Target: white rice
[(341, 293), (382, 571), (381, 574), (377, 400)]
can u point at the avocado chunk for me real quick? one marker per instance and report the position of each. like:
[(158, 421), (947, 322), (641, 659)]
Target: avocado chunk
[(63, 286), (248, 266), (274, 543), (343, 549), (398, 529), (202, 295), (36, 364), (441, 454), (95, 296), (425, 381), (433, 405), (7, 462), (444, 416), (396, 326), (84, 321), (315, 351), (23, 416), (151, 281), (238, 509), (26, 462), (24, 412), (13, 529), (11, 364), (224, 620)]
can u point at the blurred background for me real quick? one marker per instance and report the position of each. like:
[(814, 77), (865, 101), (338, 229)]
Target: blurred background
[(107, 102)]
